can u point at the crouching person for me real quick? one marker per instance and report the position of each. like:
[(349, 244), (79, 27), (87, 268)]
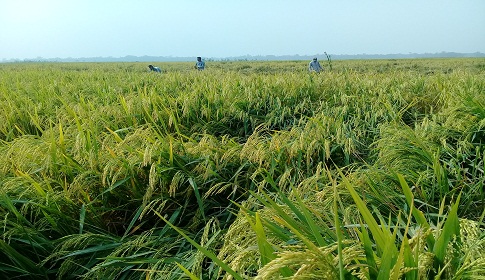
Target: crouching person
[(154, 69)]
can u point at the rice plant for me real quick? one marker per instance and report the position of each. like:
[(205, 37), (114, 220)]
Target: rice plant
[(373, 170)]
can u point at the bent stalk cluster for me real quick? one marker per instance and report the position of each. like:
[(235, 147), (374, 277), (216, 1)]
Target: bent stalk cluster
[(247, 170)]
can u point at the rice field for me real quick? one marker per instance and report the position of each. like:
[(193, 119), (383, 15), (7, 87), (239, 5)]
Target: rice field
[(246, 170)]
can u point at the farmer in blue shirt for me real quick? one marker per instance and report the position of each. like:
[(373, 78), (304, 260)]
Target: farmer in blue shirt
[(199, 65), (314, 66), (154, 68)]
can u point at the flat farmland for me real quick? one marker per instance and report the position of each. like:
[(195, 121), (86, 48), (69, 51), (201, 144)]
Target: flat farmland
[(372, 169)]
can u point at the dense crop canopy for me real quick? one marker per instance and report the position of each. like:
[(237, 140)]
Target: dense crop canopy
[(244, 170)]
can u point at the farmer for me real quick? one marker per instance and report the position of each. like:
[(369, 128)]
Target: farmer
[(154, 68), (199, 65), (314, 66)]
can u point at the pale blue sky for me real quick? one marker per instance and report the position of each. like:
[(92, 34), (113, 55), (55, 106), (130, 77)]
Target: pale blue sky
[(223, 28)]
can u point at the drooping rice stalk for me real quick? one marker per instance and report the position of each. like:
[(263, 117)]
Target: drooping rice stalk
[(244, 159)]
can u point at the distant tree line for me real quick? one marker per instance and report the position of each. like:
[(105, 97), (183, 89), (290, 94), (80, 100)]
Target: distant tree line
[(146, 58)]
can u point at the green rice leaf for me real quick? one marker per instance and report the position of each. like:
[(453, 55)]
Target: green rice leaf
[(369, 253), (315, 229), (417, 214), (20, 260), (410, 261), (132, 222), (382, 240), (268, 202), (186, 271), (198, 197), (405, 255), (206, 252), (82, 216), (265, 248), (450, 229), (93, 249), (388, 258), (339, 234)]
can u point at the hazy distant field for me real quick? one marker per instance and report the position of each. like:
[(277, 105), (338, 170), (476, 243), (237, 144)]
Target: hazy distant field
[(247, 170)]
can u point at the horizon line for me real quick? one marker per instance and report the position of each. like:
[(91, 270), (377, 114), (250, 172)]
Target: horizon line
[(443, 54)]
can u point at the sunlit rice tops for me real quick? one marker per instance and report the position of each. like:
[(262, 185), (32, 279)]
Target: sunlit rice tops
[(97, 160)]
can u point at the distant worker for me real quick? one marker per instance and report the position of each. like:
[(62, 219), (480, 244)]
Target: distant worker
[(314, 66), (154, 68), (199, 65)]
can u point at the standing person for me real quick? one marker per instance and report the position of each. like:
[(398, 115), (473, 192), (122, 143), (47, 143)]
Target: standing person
[(154, 68), (314, 66), (199, 65)]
